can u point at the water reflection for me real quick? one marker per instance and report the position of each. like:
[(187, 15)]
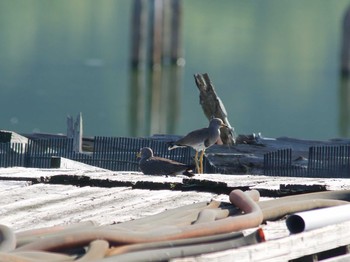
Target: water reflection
[(274, 63), (155, 100), (137, 86), (155, 67)]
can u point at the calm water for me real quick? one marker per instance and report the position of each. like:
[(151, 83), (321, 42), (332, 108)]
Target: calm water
[(274, 64)]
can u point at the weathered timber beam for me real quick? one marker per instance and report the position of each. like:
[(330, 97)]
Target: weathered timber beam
[(213, 106), (75, 131)]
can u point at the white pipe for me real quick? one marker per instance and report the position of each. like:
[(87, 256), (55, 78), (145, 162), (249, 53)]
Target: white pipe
[(308, 220)]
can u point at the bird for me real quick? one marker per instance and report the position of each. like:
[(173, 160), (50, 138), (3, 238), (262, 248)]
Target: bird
[(200, 140), (152, 165)]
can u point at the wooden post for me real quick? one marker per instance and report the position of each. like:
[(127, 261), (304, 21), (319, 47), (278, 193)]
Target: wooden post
[(344, 117), (156, 43), (75, 131), (139, 32), (213, 106), (150, 18), (155, 66), (176, 54)]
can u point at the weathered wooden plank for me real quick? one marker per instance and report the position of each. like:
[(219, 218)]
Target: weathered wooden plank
[(81, 174), (75, 132), (343, 258), (36, 206)]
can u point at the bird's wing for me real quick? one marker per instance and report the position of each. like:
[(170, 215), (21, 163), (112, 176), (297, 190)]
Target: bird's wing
[(194, 137), (162, 166), (168, 163)]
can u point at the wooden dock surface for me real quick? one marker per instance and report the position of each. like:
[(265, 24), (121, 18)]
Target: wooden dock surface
[(36, 198)]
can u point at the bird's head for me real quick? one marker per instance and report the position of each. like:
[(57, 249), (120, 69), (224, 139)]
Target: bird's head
[(217, 122), (145, 152)]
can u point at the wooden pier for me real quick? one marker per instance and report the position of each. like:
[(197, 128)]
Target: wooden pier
[(36, 198)]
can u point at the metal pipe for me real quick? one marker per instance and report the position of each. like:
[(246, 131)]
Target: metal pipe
[(308, 220), (277, 208), (174, 243), (162, 231)]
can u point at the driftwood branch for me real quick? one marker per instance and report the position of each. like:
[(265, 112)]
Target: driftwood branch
[(213, 106)]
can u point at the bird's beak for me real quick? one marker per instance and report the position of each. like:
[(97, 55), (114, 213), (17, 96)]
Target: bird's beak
[(224, 125), (138, 155)]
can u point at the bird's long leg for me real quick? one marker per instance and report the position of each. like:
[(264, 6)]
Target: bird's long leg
[(196, 162), (201, 161)]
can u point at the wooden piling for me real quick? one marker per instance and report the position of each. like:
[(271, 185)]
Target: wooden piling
[(75, 131), (176, 52), (156, 44), (139, 26), (150, 27), (344, 83), (345, 49)]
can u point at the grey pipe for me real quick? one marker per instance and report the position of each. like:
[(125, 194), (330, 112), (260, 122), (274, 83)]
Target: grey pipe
[(174, 243), (313, 219), (165, 254), (7, 239)]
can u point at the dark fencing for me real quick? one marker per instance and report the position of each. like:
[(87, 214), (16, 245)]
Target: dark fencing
[(119, 153), (323, 161), (40, 151), (12, 154), (329, 160), (114, 153), (279, 163)]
